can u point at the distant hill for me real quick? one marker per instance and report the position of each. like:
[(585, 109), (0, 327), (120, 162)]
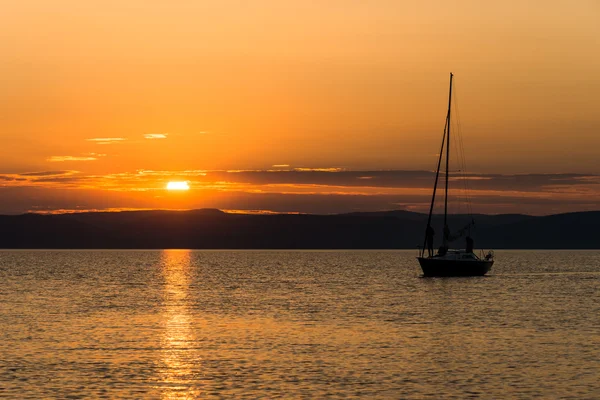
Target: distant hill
[(214, 229)]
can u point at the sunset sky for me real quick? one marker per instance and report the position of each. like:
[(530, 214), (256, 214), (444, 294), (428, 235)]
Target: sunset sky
[(296, 106)]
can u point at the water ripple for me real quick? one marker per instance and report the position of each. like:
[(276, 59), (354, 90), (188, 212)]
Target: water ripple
[(304, 324)]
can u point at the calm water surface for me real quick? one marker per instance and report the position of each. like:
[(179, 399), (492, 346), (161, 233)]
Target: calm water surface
[(302, 324)]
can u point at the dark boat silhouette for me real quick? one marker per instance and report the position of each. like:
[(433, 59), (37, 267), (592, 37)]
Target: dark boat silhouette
[(448, 262)]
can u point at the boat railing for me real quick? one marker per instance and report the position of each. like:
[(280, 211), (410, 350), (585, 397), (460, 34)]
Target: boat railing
[(486, 255)]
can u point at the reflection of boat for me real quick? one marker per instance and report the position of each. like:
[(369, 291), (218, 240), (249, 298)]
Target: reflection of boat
[(448, 262)]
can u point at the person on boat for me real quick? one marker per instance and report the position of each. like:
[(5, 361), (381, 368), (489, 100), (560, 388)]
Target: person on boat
[(470, 244), (429, 234)]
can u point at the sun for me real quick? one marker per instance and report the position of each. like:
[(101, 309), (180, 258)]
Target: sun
[(182, 185)]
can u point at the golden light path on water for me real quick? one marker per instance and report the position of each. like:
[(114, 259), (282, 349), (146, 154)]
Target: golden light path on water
[(180, 361)]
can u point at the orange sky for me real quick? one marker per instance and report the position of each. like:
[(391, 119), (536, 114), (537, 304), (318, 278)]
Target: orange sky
[(240, 85)]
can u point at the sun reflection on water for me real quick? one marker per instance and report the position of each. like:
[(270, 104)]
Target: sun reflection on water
[(180, 362)]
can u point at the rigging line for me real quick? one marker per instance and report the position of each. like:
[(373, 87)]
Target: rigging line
[(460, 157), (456, 152), (463, 157), (458, 147), (449, 124), (465, 175), (466, 179)]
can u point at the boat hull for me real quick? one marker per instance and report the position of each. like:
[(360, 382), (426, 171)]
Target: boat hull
[(433, 266)]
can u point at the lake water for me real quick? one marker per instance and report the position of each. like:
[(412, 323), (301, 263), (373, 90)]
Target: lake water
[(180, 324)]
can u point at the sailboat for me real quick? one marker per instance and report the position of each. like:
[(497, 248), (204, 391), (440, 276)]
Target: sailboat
[(448, 262)]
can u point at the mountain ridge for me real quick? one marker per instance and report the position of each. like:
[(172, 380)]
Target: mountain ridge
[(215, 229)]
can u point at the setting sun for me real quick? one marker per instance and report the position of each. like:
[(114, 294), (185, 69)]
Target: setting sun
[(178, 186)]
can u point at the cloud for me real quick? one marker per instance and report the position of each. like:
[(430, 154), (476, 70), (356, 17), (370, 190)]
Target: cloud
[(281, 166), (323, 190), (332, 180), (63, 181), (258, 212), (55, 211), (9, 178), (67, 179), (49, 173), (106, 140), (71, 158), (318, 169), (156, 135)]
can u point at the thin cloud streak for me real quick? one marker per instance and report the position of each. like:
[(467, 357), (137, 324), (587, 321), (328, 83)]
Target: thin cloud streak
[(107, 140), (156, 136), (71, 158), (49, 173), (318, 169)]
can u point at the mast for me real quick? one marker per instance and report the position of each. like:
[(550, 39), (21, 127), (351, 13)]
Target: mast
[(437, 175), (446, 230)]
